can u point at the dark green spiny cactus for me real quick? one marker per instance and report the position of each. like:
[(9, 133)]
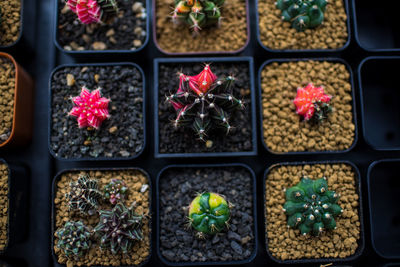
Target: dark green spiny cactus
[(74, 239), (84, 195), (197, 13), (209, 213), (311, 207), (303, 14), (119, 228)]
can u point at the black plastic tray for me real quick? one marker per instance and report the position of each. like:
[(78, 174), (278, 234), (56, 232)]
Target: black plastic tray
[(41, 57)]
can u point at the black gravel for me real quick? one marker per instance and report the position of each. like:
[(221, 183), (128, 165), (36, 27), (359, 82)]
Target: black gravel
[(184, 140), (128, 26), (178, 187), (124, 86)]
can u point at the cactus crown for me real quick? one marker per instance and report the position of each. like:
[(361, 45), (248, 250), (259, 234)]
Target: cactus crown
[(90, 108), (203, 102), (311, 207), (197, 13), (74, 239), (84, 195), (93, 11), (115, 191), (312, 103), (303, 14), (209, 213), (119, 228)]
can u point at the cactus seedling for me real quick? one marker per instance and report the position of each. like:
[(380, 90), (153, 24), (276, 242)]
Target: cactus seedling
[(311, 207), (90, 108), (197, 13), (93, 11), (84, 195), (312, 103), (209, 214), (115, 191), (303, 14), (119, 228), (74, 239), (203, 102)]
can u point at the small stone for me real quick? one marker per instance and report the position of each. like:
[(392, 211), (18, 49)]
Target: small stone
[(113, 130), (110, 32), (236, 247), (99, 46), (70, 79), (144, 188), (96, 78), (137, 43), (87, 143), (209, 144), (125, 153), (215, 239), (234, 236), (137, 7)]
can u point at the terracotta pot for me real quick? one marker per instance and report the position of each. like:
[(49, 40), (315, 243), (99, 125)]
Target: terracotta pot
[(21, 132)]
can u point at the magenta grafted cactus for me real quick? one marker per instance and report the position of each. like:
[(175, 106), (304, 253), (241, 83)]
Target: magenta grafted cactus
[(93, 11), (203, 102), (90, 108)]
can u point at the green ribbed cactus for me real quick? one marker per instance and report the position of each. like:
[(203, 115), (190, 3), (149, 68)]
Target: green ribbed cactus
[(209, 213), (303, 14), (197, 13), (74, 239), (311, 207)]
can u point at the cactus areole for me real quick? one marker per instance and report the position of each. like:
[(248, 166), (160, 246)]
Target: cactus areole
[(302, 14), (311, 207), (312, 103), (90, 108), (209, 213), (93, 11), (197, 13), (74, 239), (204, 102)]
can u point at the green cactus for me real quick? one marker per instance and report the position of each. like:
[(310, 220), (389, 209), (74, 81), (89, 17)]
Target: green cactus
[(197, 13), (84, 195), (119, 228), (74, 239), (303, 14), (311, 207), (209, 213)]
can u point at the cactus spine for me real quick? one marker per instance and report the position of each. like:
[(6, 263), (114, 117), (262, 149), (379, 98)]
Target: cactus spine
[(302, 14), (197, 13), (209, 214), (74, 239), (311, 207)]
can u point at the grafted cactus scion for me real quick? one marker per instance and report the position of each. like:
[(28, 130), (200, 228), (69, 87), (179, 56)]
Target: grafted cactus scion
[(93, 11)]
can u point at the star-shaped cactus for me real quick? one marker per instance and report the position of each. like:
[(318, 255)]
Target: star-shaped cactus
[(90, 108), (312, 103)]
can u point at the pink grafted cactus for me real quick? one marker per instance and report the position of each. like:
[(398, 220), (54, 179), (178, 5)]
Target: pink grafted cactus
[(90, 108), (92, 11), (312, 103)]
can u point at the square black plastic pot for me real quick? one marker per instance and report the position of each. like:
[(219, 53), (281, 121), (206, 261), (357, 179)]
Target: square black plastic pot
[(97, 65), (18, 194), (98, 54), (248, 60), (379, 108), (53, 209), (376, 25), (347, 7), (254, 210), (384, 208), (16, 43), (154, 21), (336, 60), (361, 241)]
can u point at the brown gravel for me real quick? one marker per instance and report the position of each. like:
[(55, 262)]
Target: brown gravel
[(277, 34), (230, 36), (10, 21), (95, 256), (286, 244), (283, 129), (4, 205), (7, 88)]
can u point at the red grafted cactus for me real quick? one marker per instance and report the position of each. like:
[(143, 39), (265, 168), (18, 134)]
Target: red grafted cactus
[(90, 108), (312, 103), (203, 102), (93, 11)]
